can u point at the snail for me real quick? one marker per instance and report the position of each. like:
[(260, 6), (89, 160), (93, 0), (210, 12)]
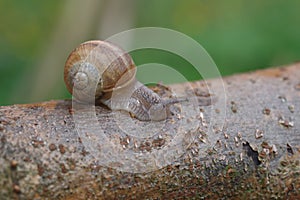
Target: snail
[(101, 72)]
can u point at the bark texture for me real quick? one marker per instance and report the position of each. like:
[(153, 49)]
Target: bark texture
[(239, 143)]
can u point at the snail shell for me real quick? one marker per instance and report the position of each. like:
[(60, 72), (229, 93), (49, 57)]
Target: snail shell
[(96, 67), (98, 70)]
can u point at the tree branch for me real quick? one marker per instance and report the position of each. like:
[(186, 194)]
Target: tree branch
[(247, 147)]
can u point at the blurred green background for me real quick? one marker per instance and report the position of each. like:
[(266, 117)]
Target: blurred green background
[(37, 36)]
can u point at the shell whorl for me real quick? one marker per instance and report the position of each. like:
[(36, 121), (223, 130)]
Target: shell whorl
[(96, 67)]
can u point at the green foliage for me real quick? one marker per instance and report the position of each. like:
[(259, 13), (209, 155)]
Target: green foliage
[(24, 25), (239, 35)]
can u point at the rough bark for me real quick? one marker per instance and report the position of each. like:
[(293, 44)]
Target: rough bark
[(247, 148)]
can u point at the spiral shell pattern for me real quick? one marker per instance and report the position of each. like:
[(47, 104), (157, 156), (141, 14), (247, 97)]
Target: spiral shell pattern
[(97, 67)]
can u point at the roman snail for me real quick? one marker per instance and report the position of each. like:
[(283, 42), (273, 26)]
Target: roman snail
[(99, 71)]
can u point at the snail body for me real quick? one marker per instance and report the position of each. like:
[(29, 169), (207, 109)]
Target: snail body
[(98, 71)]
